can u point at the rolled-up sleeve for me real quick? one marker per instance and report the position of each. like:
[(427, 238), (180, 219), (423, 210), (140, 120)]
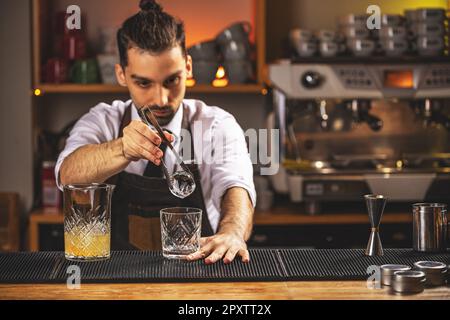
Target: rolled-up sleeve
[(231, 165), (95, 127)]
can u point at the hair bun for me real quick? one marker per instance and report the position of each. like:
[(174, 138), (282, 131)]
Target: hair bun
[(149, 5)]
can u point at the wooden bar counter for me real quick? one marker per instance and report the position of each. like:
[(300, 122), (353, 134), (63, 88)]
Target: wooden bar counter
[(296, 290)]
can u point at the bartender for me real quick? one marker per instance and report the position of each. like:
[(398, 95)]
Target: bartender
[(110, 143)]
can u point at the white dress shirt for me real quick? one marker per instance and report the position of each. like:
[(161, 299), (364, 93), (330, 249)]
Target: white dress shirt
[(220, 149)]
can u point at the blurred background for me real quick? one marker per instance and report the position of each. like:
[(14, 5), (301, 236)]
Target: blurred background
[(352, 104)]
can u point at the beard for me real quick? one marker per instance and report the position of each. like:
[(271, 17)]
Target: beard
[(163, 114)]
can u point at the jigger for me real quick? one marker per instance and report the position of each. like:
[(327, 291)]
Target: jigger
[(375, 206)]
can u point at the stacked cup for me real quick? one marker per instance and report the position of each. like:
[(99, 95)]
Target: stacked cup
[(427, 29), (234, 45), (303, 42), (205, 57), (359, 40), (392, 36), (329, 43)]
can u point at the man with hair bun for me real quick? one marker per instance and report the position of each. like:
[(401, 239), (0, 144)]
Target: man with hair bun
[(111, 143)]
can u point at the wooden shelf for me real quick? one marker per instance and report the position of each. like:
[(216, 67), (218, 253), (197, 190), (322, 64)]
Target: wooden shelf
[(232, 88), (270, 219), (289, 214), (277, 216), (42, 13), (45, 216), (78, 88), (109, 88), (41, 216), (280, 216)]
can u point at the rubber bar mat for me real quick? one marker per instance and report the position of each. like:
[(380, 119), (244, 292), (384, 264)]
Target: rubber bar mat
[(149, 266), (136, 266), (346, 264)]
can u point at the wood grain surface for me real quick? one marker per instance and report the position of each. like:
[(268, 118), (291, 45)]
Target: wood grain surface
[(298, 290)]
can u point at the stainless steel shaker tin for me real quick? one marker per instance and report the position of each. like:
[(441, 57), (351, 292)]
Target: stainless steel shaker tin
[(388, 270), (435, 272), (430, 227), (408, 281)]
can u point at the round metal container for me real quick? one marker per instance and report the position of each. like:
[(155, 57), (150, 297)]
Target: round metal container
[(387, 272), (435, 272), (408, 281), (448, 275), (430, 227)]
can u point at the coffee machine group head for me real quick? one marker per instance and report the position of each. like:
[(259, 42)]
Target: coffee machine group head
[(432, 112), (361, 114)]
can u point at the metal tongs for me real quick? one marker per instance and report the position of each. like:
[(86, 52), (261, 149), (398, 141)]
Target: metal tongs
[(148, 117)]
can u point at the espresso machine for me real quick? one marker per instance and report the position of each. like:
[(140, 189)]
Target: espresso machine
[(350, 128)]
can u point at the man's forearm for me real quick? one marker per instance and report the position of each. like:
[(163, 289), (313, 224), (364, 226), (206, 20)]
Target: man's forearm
[(93, 163), (237, 213)]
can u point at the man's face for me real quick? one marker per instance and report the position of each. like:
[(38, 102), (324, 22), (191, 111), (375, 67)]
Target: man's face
[(156, 80)]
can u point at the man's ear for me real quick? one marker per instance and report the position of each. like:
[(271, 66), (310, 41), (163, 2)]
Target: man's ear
[(120, 75), (189, 66)]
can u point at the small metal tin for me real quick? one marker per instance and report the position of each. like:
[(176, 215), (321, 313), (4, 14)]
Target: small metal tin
[(387, 272), (448, 275), (408, 281), (436, 272)]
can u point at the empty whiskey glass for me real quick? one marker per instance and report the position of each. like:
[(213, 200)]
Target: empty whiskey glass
[(180, 231)]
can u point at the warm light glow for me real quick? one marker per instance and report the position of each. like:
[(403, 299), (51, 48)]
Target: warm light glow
[(399, 164), (37, 92), (220, 83), (399, 79), (220, 73), (190, 82), (264, 91), (319, 164), (216, 15), (221, 80), (398, 7)]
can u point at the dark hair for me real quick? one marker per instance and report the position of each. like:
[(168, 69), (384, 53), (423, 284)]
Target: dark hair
[(152, 30)]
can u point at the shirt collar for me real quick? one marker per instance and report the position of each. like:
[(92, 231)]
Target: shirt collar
[(173, 126)]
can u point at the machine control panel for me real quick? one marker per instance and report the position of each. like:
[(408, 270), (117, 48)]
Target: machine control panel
[(362, 81), (437, 77), (355, 77)]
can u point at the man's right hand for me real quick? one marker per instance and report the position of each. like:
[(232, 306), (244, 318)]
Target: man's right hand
[(141, 142)]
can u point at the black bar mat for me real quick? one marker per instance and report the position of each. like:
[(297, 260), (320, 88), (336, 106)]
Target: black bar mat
[(346, 264), (24, 267), (136, 266), (147, 266)]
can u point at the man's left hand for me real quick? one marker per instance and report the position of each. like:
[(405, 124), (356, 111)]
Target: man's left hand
[(221, 245)]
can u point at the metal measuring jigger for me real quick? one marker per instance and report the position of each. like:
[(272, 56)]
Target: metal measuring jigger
[(375, 207)]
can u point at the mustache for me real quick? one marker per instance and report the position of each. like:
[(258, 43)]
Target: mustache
[(160, 108)]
